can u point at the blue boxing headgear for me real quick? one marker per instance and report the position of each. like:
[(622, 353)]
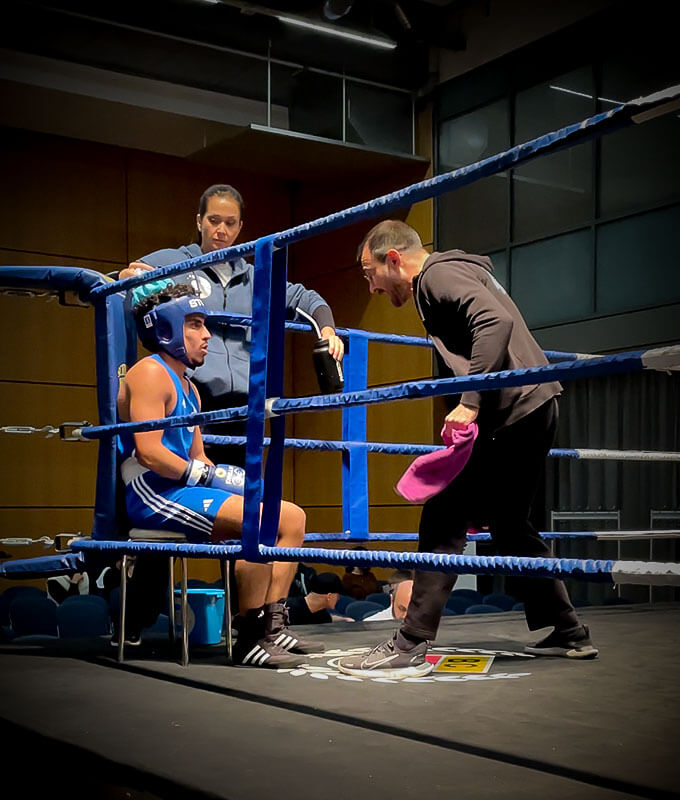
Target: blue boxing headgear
[(163, 326)]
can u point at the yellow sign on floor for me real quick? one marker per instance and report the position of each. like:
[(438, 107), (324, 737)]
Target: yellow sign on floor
[(471, 663)]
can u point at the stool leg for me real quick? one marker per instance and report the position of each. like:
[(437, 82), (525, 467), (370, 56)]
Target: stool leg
[(227, 611), (185, 628), (121, 618), (171, 605)]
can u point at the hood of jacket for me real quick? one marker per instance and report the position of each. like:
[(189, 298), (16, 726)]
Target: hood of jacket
[(458, 255)]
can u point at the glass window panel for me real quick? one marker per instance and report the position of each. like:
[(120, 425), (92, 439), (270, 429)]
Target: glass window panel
[(637, 262), (474, 217), (313, 100), (500, 267), (379, 118), (552, 280), (640, 166), (553, 192)]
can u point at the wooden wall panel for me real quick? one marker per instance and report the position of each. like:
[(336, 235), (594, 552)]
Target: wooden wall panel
[(27, 258), (47, 472), (52, 343), (324, 519), (413, 424), (62, 197), (163, 195), (318, 477)]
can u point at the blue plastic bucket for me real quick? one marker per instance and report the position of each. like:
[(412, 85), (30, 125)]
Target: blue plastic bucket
[(205, 616)]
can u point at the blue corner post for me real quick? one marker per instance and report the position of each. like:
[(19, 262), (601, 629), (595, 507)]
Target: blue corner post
[(257, 395), (116, 351), (355, 461), (277, 425)]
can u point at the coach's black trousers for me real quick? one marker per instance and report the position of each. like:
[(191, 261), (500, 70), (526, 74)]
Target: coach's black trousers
[(496, 487)]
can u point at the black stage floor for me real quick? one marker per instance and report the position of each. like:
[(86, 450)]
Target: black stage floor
[(75, 723)]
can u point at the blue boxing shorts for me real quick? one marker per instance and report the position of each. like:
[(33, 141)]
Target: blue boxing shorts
[(163, 504)]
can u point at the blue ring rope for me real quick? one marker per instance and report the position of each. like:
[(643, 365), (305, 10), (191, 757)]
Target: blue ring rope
[(617, 364), (587, 569), (185, 549), (373, 336)]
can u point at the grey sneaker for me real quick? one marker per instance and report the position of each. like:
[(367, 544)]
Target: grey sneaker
[(387, 661), (264, 654), (278, 632), (564, 646)]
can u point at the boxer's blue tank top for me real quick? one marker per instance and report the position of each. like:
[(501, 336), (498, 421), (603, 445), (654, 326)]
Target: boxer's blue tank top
[(177, 440)]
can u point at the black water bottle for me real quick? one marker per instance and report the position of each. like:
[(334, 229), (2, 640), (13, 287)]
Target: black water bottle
[(328, 370)]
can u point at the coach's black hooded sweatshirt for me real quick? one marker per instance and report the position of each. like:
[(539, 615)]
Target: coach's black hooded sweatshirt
[(477, 328)]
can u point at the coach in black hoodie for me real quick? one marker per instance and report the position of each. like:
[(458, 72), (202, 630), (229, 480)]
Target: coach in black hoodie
[(475, 328)]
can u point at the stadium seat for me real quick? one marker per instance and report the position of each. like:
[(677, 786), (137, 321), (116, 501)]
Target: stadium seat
[(359, 609), (483, 608), (504, 601), (31, 615), (83, 619), (380, 598)]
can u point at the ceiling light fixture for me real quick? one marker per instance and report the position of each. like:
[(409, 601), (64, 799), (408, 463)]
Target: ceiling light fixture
[(343, 33), (334, 9)]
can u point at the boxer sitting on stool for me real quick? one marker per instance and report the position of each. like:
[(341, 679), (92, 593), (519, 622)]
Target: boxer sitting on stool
[(171, 484)]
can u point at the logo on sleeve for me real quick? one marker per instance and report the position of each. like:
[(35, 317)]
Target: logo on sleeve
[(201, 285)]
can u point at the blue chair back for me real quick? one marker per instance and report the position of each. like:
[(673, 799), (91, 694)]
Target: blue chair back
[(31, 615), (473, 594), (483, 608), (14, 591), (381, 598), (504, 601), (458, 604), (343, 601), (83, 619), (360, 609), (92, 599), (518, 607)]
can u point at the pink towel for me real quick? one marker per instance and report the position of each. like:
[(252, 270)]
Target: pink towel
[(430, 474)]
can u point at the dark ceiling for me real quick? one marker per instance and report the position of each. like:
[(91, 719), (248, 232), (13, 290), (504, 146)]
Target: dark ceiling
[(188, 41)]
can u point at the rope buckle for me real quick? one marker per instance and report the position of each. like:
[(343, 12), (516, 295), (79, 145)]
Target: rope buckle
[(72, 431), (64, 540)]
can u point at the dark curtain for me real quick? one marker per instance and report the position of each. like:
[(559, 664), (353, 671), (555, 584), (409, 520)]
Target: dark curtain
[(632, 412)]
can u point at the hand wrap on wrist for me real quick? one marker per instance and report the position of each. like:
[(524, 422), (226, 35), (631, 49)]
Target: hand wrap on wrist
[(197, 473)]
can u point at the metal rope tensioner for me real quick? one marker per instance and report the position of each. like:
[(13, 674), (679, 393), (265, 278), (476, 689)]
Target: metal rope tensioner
[(67, 431)]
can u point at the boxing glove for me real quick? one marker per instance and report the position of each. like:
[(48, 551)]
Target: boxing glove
[(223, 476)]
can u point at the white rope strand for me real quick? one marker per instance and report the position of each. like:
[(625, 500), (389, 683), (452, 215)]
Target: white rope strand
[(627, 455), (647, 573)]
